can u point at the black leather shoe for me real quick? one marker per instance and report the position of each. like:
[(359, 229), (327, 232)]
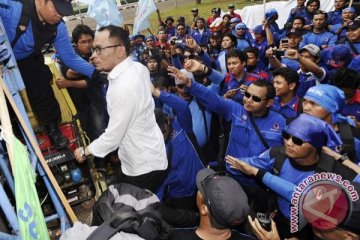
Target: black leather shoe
[(57, 139)]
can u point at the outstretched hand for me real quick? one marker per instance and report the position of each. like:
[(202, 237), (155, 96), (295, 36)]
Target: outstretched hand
[(242, 166), (261, 233), (181, 77)]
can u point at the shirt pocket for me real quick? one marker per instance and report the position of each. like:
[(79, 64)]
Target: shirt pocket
[(272, 138), (240, 132)]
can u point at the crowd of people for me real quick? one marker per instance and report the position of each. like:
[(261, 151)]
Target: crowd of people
[(264, 108)]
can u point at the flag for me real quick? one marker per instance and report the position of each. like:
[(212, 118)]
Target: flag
[(30, 216), (105, 12), (144, 9)]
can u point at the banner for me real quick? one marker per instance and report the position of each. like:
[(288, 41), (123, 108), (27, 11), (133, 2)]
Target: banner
[(30, 216), (144, 9), (105, 12)]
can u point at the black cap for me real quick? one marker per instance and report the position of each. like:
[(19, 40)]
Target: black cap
[(169, 18), (224, 197), (63, 7), (354, 24), (295, 31)]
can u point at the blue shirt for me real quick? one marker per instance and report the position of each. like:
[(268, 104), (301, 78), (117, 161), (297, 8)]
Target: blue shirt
[(201, 38), (10, 12), (319, 39), (308, 80), (334, 17), (185, 162), (243, 140), (289, 110)]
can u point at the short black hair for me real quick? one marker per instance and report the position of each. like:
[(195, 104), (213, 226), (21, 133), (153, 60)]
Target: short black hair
[(79, 30), (302, 19), (312, 1), (253, 50), (270, 89), (345, 78), (237, 53), (320, 12), (118, 33), (232, 37), (289, 74)]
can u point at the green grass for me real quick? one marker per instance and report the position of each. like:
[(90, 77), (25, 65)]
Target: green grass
[(204, 10)]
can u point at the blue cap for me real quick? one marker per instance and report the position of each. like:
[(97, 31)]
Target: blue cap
[(331, 98), (139, 35), (235, 19), (348, 9), (317, 132), (270, 13), (259, 29), (241, 26), (150, 37), (340, 53)]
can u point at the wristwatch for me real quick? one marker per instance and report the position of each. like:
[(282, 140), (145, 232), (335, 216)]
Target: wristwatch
[(82, 152), (342, 158)]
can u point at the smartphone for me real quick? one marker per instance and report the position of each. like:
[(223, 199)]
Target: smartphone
[(264, 221), (284, 41)]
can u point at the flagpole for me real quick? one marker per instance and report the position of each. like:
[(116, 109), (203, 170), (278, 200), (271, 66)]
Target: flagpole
[(350, 3), (264, 4)]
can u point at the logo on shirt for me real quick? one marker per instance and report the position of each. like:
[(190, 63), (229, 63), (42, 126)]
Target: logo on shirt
[(244, 117)]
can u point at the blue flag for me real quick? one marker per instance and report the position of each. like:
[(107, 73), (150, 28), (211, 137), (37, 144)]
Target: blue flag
[(105, 12), (144, 9)]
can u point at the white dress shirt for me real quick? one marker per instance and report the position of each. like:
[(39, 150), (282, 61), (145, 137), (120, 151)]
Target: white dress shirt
[(132, 126)]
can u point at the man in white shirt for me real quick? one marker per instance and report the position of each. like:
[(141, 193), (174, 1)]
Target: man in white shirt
[(132, 126)]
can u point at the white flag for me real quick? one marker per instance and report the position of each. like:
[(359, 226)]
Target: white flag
[(105, 12), (144, 9)]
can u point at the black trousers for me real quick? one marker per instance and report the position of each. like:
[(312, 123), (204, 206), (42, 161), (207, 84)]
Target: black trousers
[(37, 79), (150, 181)]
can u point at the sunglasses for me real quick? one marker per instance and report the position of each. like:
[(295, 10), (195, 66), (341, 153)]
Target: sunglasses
[(253, 97), (297, 141)]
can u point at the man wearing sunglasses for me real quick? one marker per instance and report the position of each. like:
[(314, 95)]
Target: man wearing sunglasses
[(132, 127), (254, 127), (303, 138)]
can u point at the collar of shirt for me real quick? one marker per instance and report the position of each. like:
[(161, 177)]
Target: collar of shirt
[(290, 104), (120, 68)]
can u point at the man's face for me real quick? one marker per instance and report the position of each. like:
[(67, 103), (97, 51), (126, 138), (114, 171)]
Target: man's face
[(231, 10), (235, 66), (251, 61), (297, 24), (200, 24), (240, 32), (314, 109), (339, 4), (295, 151), (107, 58), (180, 30), (255, 107), (152, 65), (161, 35), (319, 21), (138, 40), (149, 42), (282, 87), (194, 13), (347, 16), (312, 7), (294, 41), (47, 12), (84, 44), (305, 54), (353, 34)]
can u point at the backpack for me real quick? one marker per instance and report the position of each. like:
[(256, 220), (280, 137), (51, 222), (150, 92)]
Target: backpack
[(127, 208)]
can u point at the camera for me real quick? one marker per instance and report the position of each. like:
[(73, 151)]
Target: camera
[(264, 221), (279, 53), (284, 41)]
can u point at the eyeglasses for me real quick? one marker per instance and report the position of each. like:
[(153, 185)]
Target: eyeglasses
[(295, 140), (181, 29), (98, 49), (253, 97)]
